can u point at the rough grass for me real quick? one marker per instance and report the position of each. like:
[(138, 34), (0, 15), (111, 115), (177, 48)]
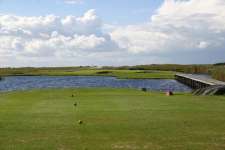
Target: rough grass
[(122, 119), (123, 74)]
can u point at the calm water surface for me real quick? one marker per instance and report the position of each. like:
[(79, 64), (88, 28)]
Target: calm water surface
[(38, 82)]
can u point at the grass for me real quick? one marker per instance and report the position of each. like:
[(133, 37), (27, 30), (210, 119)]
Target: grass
[(122, 119), (164, 71), (126, 74), (123, 74)]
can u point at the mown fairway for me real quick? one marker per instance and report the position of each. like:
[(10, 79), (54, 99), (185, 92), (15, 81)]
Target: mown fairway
[(112, 119)]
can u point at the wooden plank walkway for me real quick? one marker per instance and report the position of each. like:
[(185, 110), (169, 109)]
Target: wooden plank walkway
[(197, 81), (202, 78)]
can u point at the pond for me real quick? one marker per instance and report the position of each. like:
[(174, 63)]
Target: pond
[(39, 82)]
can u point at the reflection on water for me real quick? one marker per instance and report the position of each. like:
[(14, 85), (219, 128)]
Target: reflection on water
[(37, 82)]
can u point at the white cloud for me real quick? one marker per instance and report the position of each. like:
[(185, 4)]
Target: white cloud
[(203, 44), (178, 25), (73, 1), (52, 36), (87, 24)]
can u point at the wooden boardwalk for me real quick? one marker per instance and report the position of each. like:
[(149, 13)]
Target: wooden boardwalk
[(197, 81)]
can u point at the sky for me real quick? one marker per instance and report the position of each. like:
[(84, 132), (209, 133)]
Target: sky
[(39, 33)]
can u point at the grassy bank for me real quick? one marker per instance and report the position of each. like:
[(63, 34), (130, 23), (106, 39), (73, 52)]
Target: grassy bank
[(163, 71), (123, 74), (217, 71), (112, 119)]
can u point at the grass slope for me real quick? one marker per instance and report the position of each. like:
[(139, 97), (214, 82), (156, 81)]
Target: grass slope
[(113, 119)]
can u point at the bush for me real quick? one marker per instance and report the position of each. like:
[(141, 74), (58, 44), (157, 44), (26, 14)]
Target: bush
[(104, 72)]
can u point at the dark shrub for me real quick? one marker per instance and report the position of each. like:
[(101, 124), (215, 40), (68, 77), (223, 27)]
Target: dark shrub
[(104, 72), (144, 89)]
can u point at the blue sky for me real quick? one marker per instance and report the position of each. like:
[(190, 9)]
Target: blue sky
[(112, 11), (111, 32)]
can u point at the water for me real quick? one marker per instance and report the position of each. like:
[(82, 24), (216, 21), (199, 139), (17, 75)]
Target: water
[(39, 82)]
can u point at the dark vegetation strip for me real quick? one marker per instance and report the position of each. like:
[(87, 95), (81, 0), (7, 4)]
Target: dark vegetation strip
[(29, 71)]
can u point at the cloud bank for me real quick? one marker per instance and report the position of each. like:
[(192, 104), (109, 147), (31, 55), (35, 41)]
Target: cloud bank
[(53, 37), (177, 26), (190, 31)]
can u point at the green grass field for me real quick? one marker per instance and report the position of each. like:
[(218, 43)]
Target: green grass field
[(122, 119), (123, 74)]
